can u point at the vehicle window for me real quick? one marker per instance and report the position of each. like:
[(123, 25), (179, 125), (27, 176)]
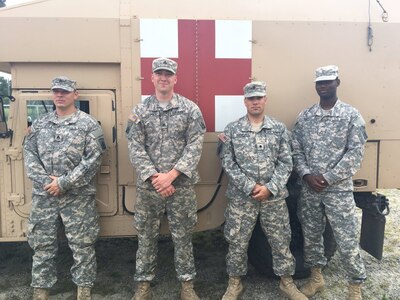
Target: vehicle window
[(36, 108)]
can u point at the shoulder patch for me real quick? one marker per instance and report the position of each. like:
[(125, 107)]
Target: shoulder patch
[(97, 135), (196, 114), (223, 138), (359, 122), (134, 118)]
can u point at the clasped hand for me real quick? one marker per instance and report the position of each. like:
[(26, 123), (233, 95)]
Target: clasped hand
[(162, 183), (260, 192), (317, 182), (53, 188)]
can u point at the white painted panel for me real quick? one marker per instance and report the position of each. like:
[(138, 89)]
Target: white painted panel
[(228, 109), (232, 39), (159, 38)]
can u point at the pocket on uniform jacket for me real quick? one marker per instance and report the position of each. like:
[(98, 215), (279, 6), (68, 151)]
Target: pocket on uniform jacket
[(75, 147), (339, 142), (272, 139), (337, 133)]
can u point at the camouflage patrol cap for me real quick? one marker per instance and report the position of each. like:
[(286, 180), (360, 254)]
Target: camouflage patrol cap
[(164, 63), (255, 89), (326, 73), (63, 83)]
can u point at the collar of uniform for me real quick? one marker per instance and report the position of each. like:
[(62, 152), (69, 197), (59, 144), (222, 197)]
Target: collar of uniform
[(246, 125), (334, 111), (153, 104), (71, 120), (174, 101)]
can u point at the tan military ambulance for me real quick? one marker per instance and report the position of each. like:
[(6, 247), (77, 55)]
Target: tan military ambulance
[(108, 46)]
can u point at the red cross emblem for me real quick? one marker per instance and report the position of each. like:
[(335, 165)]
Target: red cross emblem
[(202, 76)]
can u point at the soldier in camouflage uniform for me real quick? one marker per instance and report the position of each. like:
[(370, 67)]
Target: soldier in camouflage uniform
[(328, 146), (165, 139), (62, 155), (256, 156)]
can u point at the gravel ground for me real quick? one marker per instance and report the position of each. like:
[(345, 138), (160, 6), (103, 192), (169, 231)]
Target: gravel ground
[(116, 264)]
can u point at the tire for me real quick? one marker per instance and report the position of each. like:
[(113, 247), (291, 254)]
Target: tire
[(259, 252)]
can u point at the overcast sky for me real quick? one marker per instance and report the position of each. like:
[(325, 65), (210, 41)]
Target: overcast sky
[(10, 3)]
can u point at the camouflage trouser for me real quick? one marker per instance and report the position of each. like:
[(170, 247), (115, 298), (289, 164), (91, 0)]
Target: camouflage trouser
[(181, 209), (241, 216), (339, 208), (79, 216)]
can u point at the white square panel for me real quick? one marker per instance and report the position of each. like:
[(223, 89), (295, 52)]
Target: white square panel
[(159, 38), (232, 39), (228, 109)]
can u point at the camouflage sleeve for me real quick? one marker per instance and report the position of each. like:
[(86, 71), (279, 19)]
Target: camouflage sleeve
[(283, 166), (136, 147), (299, 157), (231, 167), (33, 164), (187, 163), (90, 162), (351, 160)]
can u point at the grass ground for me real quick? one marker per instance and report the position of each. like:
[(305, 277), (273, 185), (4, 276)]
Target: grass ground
[(116, 262)]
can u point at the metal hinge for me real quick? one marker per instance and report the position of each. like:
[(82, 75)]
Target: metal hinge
[(14, 153), (16, 199)]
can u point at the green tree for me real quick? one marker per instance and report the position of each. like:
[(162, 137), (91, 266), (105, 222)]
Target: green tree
[(5, 90), (4, 85)]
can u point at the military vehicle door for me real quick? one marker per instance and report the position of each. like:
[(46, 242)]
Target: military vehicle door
[(99, 104)]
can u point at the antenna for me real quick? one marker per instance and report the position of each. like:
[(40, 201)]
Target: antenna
[(385, 15)]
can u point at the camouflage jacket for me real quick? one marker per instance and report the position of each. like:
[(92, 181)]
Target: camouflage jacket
[(329, 144), (162, 139), (250, 157), (69, 149)]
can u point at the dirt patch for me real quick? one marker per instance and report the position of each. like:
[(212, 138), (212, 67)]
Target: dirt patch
[(116, 264)]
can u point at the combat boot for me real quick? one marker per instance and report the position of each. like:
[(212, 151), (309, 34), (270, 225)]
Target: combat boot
[(143, 291), (315, 283), (84, 293), (289, 289), (187, 291), (40, 294), (234, 290), (354, 291)]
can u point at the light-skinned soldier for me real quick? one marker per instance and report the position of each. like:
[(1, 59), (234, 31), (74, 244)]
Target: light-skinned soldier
[(165, 139), (256, 156), (62, 154)]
